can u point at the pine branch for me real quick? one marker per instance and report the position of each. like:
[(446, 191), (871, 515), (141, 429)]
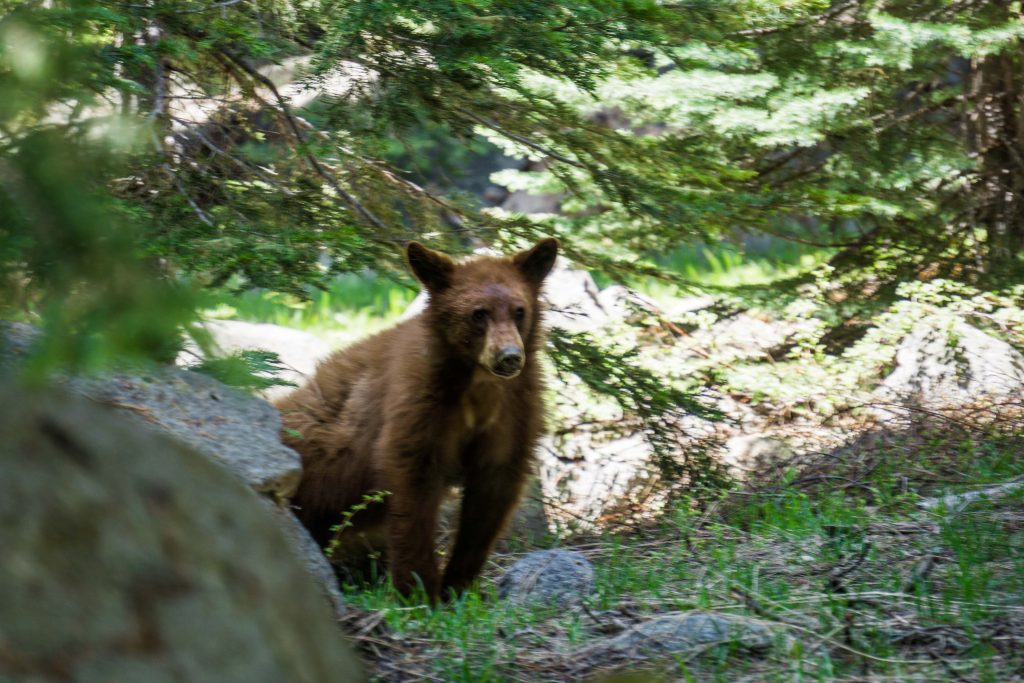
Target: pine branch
[(820, 20)]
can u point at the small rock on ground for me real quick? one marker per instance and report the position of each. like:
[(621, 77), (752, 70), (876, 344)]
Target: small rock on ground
[(676, 634), (558, 578)]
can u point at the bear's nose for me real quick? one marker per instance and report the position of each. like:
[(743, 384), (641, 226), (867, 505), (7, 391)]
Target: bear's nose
[(509, 361)]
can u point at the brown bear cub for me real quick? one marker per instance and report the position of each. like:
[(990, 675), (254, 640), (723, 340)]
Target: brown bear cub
[(449, 397)]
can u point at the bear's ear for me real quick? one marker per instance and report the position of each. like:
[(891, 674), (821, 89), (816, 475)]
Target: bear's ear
[(536, 263), (430, 267)]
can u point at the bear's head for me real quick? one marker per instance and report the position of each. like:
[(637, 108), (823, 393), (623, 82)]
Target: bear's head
[(485, 309)]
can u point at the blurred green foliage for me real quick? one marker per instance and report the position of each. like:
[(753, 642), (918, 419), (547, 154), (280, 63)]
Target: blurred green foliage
[(886, 133), (72, 252)]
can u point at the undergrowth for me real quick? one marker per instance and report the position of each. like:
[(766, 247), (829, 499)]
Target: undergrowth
[(837, 554)]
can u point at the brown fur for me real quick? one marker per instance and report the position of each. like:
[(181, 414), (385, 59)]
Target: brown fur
[(421, 407)]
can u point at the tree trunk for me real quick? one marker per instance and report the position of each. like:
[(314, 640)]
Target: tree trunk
[(995, 126)]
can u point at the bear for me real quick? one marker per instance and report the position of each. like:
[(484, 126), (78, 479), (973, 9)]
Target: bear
[(450, 397)]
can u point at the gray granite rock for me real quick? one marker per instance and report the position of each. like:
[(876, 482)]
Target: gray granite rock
[(312, 557), (238, 431), (529, 524), (127, 556), (520, 201), (746, 453), (572, 299), (945, 362), (527, 528), (556, 578), (671, 635), (15, 341)]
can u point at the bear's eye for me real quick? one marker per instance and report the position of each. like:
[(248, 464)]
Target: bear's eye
[(520, 313), (479, 315)]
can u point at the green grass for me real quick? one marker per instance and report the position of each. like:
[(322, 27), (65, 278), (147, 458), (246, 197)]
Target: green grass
[(353, 305), (842, 569), (727, 265), (358, 304), (474, 631)]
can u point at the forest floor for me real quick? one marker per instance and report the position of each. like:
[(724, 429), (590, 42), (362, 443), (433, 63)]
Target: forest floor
[(850, 557)]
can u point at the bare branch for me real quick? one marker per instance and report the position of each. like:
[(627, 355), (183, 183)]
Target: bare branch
[(493, 125), (184, 193), (300, 138)]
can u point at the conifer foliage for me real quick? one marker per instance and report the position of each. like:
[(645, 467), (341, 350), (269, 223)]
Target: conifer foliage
[(153, 148), (251, 136)]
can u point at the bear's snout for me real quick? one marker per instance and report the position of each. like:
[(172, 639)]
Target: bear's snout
[(508, 362)]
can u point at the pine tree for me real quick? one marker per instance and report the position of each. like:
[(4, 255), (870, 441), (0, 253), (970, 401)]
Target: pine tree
[(891, 129), (890, 132), (149, 148)]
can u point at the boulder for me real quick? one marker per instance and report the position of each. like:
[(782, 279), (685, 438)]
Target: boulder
[(954, 503), (520, 201), (16, 340), (416, 306), (745, 337), (681, 307), (238, 431), (527, 528), (312, 557), (622, 303), (945, 362), (233, 429), (572, 299), (529, 524), (747, 453), (130, 557), (555, 578), (590, 473)]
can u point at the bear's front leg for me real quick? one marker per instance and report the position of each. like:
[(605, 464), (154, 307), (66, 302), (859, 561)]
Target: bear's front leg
[(489, 496), (412, 526)]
